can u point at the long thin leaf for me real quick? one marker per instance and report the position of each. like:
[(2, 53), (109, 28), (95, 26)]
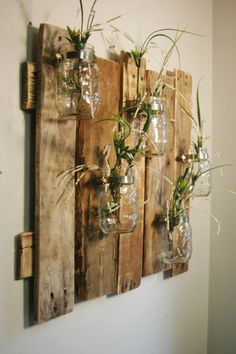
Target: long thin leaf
[(82, 17), (113, 19), (91, 16), (186, 111), (199, 111)]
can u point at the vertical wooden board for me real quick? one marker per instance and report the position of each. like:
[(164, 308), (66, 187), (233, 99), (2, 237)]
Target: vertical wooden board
[(54, 222), (183, 124), (158, 185), (95, 254), (130, 251)]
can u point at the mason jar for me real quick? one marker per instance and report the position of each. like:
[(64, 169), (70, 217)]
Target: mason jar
[(118, 211), (156, 142), (77, 91), (202, 165), (178, 248)]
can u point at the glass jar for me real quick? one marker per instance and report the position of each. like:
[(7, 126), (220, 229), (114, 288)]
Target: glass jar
[(156, 142), (179, 241), (202, 165), (78, 84), (137, 127), (118, 211)]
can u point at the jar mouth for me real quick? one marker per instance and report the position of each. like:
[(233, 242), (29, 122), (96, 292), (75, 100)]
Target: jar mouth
[(121, 179), (86, 53), (157, 104)]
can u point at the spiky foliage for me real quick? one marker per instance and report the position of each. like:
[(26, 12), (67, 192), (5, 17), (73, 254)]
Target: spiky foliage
[(79, 38), (140, 50), (197, 121), (123, 151)]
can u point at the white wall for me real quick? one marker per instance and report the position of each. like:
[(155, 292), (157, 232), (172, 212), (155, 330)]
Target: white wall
[(222, 300), (161, 316)]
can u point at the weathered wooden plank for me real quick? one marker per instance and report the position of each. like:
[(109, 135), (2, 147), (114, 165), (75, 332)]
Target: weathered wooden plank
[(29, 80), (131, 244), (158, 179), (183, 124), (95, 254), (54, 223), (24, 255)]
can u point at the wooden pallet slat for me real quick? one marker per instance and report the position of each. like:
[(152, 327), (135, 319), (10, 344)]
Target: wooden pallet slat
[(131, 244), (95, 258), (24, 255), (183, 124), (158, 179), (54, 224)]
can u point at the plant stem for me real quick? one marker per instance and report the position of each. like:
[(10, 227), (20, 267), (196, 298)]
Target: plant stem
[(82, 18)]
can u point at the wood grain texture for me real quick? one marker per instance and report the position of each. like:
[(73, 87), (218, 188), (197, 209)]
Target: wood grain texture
[(24, 255), (29, 80), (54, 223), (95, 254), (158, 179), (183, 124), (130, 251)]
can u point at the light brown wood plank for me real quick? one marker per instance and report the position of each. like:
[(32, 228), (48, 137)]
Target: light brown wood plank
[(29, 80), (24, 255), (54, 223), (183, 124), (95, 254), (159, 175), (131, 244)]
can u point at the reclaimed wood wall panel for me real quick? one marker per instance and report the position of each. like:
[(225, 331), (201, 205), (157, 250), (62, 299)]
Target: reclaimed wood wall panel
[(69, 248), (95, 253), (54, 222), (130, 252)]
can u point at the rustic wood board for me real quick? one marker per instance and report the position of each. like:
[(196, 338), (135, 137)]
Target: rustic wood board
[(95, 254), (54, 222), (158, 179), (29, 77), (24, 255), (130, 251), (183, 125)]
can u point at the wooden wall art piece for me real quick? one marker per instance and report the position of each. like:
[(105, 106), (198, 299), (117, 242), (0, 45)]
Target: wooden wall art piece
[(72, 258)]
